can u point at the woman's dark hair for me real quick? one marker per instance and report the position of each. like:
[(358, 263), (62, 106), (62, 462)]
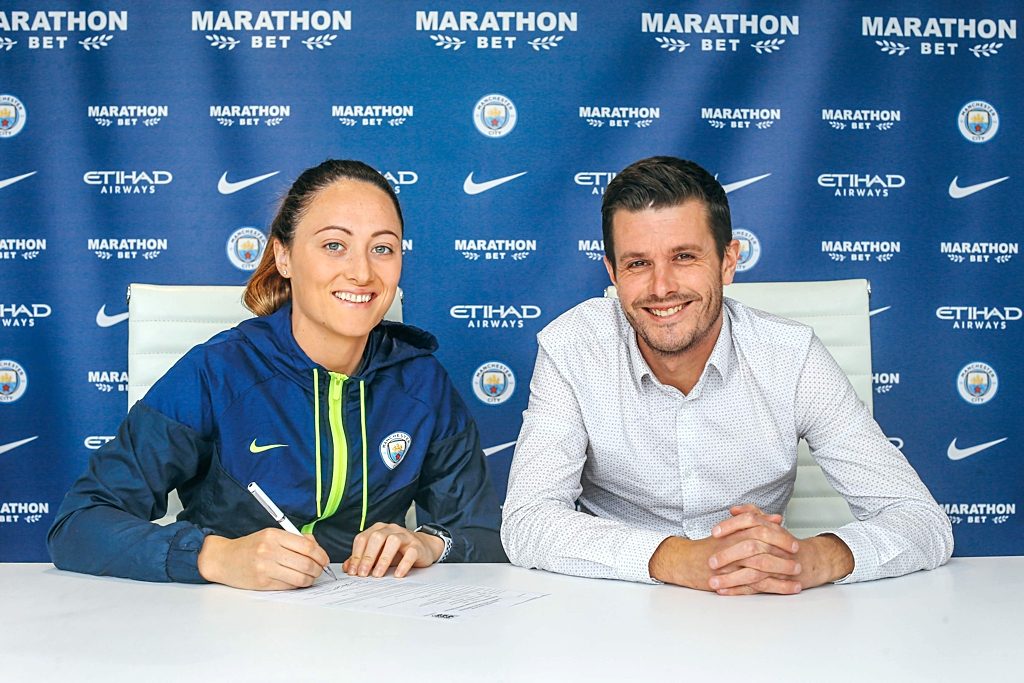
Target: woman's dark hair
[(267, 290)]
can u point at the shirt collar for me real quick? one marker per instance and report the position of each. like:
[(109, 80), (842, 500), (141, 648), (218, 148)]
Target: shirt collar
[(721, 358)]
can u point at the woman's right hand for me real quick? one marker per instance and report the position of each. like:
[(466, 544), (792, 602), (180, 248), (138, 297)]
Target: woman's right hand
[(270, 559)]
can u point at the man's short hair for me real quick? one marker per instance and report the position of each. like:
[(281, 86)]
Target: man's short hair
[(662, 182)]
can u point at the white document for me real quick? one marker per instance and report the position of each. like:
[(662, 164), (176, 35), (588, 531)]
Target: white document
[(405, 597)]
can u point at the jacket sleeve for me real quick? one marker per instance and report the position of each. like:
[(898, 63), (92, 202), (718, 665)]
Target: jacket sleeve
[(103, 525), (454, 487)]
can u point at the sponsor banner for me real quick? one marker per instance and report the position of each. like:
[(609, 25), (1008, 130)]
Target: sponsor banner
[(496, 249), (127, 181), (595, 182), (761, 34), (980, 513), (884, 382), (372, 115), (494, 316), (401, 179), (620, 116), (969, 318), (861, 185), (127, 248), (108, 381), (278, 29), (128, 115), (60, 29), (881, 251), (979, 252), (939, 36), (496, 30), (592, 249), (862, 119), (23, 314), (23, 512), (269, 115), (26, 248), (740, 117)]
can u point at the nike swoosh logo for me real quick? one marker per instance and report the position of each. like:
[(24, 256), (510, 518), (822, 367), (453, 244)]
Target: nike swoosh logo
[(470, 187), (957, 192), (11, 181), (739, 184), (253, 448), (497, 449), (883, 309), (14, 444), (224, 186), (104, 320), (955, 453)]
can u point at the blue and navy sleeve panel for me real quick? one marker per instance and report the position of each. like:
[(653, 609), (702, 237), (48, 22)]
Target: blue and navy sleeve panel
[(454, 487), (102, 528)]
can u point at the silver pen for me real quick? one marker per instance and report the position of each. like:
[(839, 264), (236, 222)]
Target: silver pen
[(279, 517)]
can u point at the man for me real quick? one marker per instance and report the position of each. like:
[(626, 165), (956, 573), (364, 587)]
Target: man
[(661, 435)]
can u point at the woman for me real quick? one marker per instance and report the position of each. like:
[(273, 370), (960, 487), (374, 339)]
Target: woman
[(343, 419)]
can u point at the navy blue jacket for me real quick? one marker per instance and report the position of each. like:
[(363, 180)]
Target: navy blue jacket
[(335, 453)]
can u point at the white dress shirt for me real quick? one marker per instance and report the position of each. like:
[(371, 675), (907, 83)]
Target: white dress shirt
[(610, 462)]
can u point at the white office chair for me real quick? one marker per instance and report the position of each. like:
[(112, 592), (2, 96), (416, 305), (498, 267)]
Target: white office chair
[(838, 312), (165, 321)]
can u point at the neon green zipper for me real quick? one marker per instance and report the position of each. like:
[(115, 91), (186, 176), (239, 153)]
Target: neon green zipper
[(339, 473)]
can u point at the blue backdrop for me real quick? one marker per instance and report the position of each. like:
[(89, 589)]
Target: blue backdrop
[(150, 142)]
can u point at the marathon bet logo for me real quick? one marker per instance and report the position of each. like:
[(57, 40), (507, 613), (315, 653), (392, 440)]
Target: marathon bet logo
[(496, 250), (52, 29), (400, 179), (987, 36), (979, 317), (494, 316), (885, 381), (108, 380), (620, 117), (861, 250), (593, 249), (250, 114), (544, 31), (127, 249), (271, 29), (372, 114), (979, 252), (12, 512), (26, 248), (740, 118), (23, 315), (862, 119), (595, 181), (726, 32), (979, 513), (127, 182), (129, 115), (861, 186)]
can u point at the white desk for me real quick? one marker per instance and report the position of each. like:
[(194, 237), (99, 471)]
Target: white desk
[(958, 623)]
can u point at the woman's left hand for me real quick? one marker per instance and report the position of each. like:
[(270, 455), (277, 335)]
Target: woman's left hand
[(384, 545)]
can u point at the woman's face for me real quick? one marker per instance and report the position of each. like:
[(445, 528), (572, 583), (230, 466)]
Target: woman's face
[(344, 265)]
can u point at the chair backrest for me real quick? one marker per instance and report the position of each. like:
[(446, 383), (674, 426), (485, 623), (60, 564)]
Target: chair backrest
[(839, 313), (165, 321)]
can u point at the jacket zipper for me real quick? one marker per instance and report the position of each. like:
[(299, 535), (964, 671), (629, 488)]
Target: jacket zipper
[(339, 468)]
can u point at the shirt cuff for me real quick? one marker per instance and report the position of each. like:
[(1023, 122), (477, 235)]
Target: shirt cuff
[(183, 554), (633, 561), (865, 558)]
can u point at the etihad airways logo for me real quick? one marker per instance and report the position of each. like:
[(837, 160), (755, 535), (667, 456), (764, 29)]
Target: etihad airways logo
[(979, 317), (724, 117), (501, 30), (979, 252), (620, 117), (127, 249), (225, 186), (23, 315), (400, 179), (128, 116), (127, 182), (861, 186), (20, 247), (271, 29), (595, 181), (250, 114), (496, 250), (861, 250), (862, 119), (720, 32), (51, 29), (494, 316), (939, 36), (372, 115)]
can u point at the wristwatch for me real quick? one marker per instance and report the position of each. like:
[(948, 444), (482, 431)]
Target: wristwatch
[(439, 532)]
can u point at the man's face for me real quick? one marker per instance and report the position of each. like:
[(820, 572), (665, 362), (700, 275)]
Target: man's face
[(669, 276)]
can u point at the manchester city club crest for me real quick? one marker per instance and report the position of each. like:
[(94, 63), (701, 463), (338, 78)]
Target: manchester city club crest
[(977, 383), (12, 116), (394, 448), (750, 249), (245, 248), (494, 383), (979, 121), (13, 381), (494, 116)]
